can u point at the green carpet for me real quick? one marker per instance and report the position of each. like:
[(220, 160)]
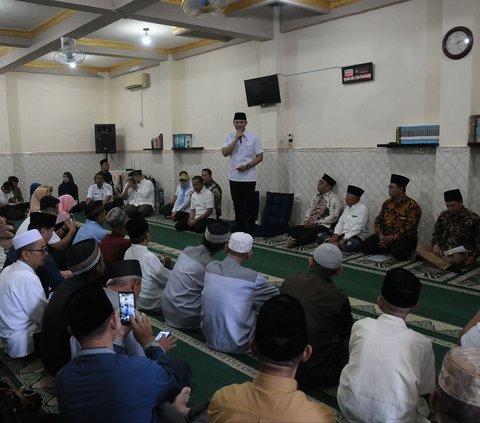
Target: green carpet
[(447, 302)]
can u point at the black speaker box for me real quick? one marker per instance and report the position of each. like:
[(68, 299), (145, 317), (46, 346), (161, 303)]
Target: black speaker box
[(105, 138)]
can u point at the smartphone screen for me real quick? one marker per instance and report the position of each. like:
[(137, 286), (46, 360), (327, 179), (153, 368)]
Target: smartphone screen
[(163, 333), (126, 301)]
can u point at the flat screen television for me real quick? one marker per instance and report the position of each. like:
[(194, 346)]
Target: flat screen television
[(262, 91)]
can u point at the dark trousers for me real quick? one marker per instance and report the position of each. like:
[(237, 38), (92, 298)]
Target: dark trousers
[(243, 197), (199, 227), (304, 235), (144, 210), (401, 249)]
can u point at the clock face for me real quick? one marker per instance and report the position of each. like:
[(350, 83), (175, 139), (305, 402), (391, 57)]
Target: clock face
[(457, 42)]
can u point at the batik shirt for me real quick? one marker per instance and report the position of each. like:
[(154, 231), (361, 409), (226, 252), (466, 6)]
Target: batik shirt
[(455, 229), (324, 208), (398, 219)]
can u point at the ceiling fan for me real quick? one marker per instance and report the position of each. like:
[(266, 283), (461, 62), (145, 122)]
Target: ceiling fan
[(199, 8), (69, 54)]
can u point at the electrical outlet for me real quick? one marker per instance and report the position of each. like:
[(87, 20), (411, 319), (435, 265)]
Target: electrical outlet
[(290, 140)]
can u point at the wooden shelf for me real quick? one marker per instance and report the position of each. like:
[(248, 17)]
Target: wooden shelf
[(152, 149), (187, 149), (395, 145)]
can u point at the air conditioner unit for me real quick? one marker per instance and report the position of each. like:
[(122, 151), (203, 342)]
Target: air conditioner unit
[(137, 81)]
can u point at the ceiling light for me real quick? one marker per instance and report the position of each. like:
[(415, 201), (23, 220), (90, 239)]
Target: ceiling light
[(146, 39), (69, 54)]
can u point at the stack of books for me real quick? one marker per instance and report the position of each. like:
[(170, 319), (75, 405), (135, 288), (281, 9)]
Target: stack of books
[(418, 135)]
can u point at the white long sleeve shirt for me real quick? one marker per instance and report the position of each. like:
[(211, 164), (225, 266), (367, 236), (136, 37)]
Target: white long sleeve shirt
[(155, 277), (353, 221), (144, 194), (22, 304), (389, 369)]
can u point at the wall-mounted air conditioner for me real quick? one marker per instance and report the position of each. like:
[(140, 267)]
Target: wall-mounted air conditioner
[(137, 81)]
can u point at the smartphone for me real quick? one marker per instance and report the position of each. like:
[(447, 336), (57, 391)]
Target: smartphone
[(126, 305), (163, 333)]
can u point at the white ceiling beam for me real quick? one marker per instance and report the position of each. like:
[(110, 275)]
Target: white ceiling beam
[(96, 6), (65, 70), (144, 65), (216, 46), (148, 54), (9, 41), (256, 25), (75, 26), (293, 18)]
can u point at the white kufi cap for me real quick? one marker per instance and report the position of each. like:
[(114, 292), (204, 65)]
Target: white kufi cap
[(328, 256), (240, 242), (26, 238)]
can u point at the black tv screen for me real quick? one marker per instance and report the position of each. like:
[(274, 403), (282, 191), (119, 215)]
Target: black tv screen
[(262, 91)]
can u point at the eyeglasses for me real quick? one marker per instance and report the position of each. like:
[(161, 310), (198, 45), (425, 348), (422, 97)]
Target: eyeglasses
[(43, 250)]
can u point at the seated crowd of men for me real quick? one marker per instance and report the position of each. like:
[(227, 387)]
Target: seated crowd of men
[(60, 301)]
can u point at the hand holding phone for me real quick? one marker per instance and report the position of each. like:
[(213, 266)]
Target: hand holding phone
[(167, 342), (126, 302), (163, 333)]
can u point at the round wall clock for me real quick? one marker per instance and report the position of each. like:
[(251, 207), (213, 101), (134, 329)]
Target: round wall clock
[(457, 42)]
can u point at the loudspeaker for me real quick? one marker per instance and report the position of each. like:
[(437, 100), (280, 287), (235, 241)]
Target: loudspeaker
[(105, 138)]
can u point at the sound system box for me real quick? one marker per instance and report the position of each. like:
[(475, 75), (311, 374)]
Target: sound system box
[(105, 138)]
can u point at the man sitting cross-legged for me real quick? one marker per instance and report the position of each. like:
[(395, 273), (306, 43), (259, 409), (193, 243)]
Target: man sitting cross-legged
[(181, 300), (92, 228), (230, 296), (323, 212), (391, 367), (202, 208), (126, 276), (22, 299), (456, 228), (351, 229), (329, 317), (154, 274), (281, 343), (101, 386), (396, 226)]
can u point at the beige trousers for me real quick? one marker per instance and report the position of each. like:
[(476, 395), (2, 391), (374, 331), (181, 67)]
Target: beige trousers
[(443, 262)]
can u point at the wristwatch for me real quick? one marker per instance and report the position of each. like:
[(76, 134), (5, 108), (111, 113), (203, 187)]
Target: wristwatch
[(248, 166)]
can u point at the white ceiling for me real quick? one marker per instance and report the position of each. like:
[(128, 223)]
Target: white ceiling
[(110, 31)]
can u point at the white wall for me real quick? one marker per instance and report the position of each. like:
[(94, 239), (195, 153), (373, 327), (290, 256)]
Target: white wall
[(201, 93), (48, 113), (321, 112)]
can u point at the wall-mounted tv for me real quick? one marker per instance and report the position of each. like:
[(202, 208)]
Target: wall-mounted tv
[(262, 91)]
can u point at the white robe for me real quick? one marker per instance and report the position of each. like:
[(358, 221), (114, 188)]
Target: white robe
[(22, 304)]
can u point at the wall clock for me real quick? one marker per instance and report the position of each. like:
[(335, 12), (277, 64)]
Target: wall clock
[(457, 42)]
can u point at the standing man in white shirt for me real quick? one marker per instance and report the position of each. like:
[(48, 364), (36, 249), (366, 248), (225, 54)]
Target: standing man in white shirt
[(22, 298), (144, 197), (245, 152), (154, 274), (351, 228), (202, 208)]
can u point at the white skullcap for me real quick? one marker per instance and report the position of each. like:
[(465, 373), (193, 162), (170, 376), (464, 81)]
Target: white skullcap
[(328, 256), (460, 375), (240, 242), (26, 238)]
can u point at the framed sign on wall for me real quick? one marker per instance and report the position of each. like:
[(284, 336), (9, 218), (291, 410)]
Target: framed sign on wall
[(357, 73)]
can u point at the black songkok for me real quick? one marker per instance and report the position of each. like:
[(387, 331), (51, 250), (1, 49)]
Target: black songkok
[(281, 331), (87, 308), (401, 288), (352, 189)]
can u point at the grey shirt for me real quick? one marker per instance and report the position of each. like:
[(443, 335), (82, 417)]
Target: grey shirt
[(230, 297), (182, 294)]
